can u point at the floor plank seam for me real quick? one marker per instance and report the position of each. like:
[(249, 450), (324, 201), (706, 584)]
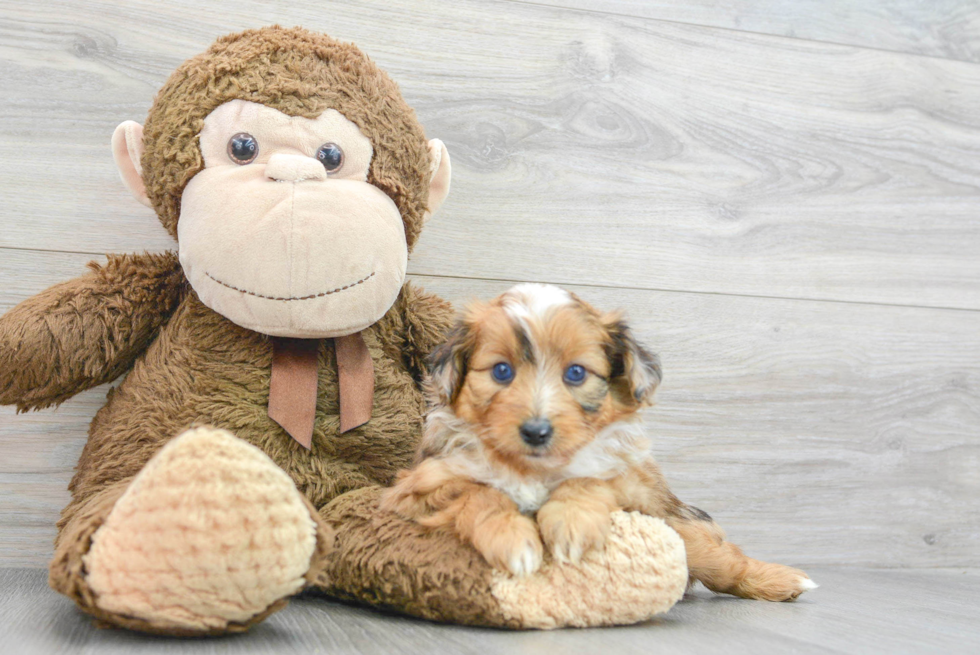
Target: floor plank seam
[(729, 29), (599, 286), (697, 292), (64, 252)]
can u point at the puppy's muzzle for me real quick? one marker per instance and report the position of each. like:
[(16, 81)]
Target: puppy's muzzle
[(536, 431)]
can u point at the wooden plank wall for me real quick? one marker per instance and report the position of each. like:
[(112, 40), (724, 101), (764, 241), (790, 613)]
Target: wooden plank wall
[(938, 28), (793, 223)]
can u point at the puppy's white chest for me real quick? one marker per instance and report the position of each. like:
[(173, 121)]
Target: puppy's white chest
[(529, 495)]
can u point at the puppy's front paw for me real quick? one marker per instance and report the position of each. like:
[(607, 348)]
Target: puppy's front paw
[(510, 542), (570, 530)]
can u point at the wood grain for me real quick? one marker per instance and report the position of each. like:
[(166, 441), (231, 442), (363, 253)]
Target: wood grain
[(938, 28), (814, 432), (588, 148), (855, 611)]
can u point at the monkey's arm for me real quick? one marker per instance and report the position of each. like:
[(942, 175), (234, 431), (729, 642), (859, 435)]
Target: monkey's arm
[(417, 324), (87, 331)]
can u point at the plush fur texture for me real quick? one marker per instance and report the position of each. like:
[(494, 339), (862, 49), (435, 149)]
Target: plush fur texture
[(639, 574), (210, 533), (86, 332), (595, 592), (203, 369)]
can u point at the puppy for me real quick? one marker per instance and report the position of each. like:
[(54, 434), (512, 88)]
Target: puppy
[(534, 438)]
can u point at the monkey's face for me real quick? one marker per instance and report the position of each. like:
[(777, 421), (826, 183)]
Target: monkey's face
[(281, 232), (294, 177)]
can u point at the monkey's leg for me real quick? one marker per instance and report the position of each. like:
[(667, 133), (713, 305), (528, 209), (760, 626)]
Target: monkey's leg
[(210, 537), (722, 566), (384, 559)]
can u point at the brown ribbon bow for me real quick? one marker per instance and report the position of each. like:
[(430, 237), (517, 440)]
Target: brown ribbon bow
[(293, 388)]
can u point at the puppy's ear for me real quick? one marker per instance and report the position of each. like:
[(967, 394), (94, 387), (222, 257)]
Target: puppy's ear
[(448, 365), (635, 372)]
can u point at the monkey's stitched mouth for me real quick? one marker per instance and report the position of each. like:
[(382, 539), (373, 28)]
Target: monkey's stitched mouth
[(287, 299)]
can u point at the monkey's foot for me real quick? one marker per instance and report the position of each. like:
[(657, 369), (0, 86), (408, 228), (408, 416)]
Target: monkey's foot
[(211, 536)]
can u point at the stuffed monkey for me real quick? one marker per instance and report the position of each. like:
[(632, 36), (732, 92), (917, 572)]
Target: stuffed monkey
[(271, 368)]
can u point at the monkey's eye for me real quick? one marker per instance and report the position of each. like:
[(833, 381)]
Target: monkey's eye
[(574, 375), (331, 156), (242, 148), (502, 372)]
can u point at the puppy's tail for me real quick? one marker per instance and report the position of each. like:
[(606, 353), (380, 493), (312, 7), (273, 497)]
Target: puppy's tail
[(722, 566)]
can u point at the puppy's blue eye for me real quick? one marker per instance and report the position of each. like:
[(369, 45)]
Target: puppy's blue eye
[(502, 373), (574, 375)]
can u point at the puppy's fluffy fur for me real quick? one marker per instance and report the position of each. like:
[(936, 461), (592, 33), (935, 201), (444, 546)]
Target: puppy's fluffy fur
[(539, 460)]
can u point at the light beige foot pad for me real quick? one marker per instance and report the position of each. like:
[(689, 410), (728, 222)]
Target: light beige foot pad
[(211, 532), (641, 572)]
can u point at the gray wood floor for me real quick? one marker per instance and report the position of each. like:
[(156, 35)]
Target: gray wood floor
[(784, 196), (859, 611)]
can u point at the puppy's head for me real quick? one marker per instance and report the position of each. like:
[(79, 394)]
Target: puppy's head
[(536, 373)]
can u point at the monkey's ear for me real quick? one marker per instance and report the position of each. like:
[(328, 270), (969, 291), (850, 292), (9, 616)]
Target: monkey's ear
[(127, 149), (440, 175), (635, 370)]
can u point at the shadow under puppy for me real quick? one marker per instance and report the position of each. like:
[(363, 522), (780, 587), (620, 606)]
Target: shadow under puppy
[(535, 437)]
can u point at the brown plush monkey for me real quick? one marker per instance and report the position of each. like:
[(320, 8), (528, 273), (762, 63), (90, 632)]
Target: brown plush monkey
[(272, 367)]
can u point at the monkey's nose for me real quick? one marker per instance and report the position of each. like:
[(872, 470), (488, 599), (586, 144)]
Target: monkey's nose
[(536, 431), (294, 168)]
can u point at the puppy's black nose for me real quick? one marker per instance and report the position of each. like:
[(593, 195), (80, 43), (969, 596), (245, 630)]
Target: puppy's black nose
[(536, 431)]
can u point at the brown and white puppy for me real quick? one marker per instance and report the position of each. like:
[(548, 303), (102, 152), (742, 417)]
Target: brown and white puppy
[(535, 437)]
